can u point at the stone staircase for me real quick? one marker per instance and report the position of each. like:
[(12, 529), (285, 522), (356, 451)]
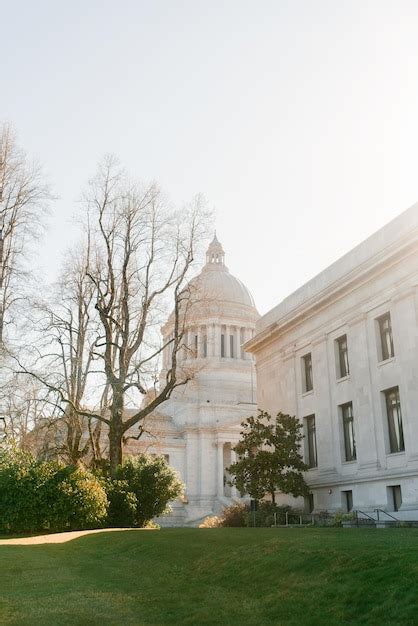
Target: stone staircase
[(181, 516), (175, 519)]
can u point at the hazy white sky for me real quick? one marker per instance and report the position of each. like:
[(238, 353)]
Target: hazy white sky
[(297, 119)]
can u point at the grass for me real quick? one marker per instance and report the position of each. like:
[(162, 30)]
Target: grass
[(216, 576)]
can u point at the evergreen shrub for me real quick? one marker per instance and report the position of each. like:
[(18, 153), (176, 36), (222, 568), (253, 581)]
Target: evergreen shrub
[(48, 496), (153, 482), (123, 504)]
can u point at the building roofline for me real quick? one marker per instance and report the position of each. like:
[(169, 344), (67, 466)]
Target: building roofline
[(395, 239)]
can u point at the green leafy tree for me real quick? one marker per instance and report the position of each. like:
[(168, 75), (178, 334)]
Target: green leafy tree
[(77, 499), (153, 482), (46, 495), (269, 458), (123, 504)]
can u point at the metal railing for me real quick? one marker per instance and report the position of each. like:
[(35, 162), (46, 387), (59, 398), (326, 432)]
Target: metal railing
[(292, 518), (386, 513), (365, 515)]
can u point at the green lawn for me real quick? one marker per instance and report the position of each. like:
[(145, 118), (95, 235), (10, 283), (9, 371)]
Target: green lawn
[(216, 576)]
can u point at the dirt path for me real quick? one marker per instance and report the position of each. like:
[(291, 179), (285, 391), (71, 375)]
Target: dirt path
[(59, 537)]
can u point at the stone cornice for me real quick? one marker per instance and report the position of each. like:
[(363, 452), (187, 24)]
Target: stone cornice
[(359, 477), (354, 279), (351, 318)]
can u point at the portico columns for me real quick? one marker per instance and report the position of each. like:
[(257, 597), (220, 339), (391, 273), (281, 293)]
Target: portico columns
[(218, 333), (201, 331), (245, 339), (220, 469), (212, 350), (238, 341), (227, 349)]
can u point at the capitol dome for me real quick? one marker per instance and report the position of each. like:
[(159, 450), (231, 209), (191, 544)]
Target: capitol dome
[(216, 283), (215, 384), (219, 312)]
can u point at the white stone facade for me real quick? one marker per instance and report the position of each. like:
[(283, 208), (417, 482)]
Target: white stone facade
[(199, 425), (363, 442)]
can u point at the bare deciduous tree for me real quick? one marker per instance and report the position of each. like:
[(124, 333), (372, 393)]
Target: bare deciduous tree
[(23, 198), (137, 268), (24, 410), (66, 329)]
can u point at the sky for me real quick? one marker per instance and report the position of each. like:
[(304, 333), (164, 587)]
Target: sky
[(296, 119)]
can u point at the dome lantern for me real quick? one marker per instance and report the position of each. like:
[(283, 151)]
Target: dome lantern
[(215, 254)]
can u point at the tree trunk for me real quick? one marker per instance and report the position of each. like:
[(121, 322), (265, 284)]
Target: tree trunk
[(115, 450), (115, 434), (273, 497), (1, 318)]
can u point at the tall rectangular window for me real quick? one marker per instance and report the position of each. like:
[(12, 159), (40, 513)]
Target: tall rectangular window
[(196, 345), (396, 497), (394, 415), (231, 346), (309, 503), (348, 500), (348, 428), (307, 372), (343, 367), (386, 338), (222, 345), (311, 452), (205, 346)]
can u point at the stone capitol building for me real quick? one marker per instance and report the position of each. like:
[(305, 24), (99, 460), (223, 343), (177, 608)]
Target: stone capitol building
[(340, 353), (198, 426)]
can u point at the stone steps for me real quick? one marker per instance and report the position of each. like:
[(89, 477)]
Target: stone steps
[(182, 516), (175, 519)]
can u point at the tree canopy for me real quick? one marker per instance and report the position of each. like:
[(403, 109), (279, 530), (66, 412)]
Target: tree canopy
[(99, 348), (269, 457)]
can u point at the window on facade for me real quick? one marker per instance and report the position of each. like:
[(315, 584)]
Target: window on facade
[(348, 500), (307, 372), (386, 338), (311, 452), (205, 346), (222, 345), (196, 345), (395, 497), (348, 428), (394, 415), (309, 503), (343, 367)]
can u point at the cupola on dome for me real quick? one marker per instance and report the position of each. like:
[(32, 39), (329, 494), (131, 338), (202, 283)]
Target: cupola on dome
[(216, 282)]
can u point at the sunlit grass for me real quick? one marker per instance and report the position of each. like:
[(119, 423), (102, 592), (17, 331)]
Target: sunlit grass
[(216, 576)]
